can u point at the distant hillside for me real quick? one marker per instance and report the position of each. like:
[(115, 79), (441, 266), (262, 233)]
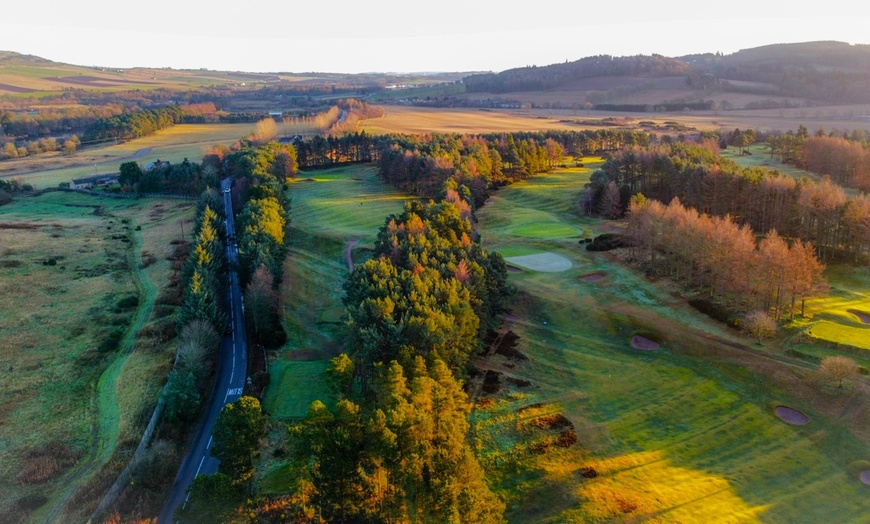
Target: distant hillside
[(778, 75), (548, 77), (823, 72), (22, 74)]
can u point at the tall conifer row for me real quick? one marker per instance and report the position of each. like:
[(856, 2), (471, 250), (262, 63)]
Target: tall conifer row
[(205, 271), (259, 174), (394, 448)]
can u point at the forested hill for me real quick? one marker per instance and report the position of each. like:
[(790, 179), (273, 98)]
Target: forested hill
[(834, 72), (824, 72), (535, 78)]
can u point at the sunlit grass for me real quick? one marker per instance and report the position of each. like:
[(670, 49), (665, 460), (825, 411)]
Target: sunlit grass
[(673, 435), (858, 337), (403, 119)]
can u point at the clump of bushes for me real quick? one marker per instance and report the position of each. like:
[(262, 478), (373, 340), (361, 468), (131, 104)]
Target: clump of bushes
[(714, 310), (46, 463), (608, 242)]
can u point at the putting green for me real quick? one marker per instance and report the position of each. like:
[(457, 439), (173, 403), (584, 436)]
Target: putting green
[(543, 262), (545, 230), (841, 334)]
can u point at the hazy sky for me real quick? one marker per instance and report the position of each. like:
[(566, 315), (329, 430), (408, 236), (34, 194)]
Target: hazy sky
[(404, 36)]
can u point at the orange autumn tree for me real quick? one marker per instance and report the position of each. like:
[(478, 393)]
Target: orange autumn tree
[(719, 256)]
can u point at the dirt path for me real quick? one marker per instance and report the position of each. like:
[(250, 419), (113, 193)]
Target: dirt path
[(347, 256)]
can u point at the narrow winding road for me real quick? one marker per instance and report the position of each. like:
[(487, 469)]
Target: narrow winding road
[(229, 380)]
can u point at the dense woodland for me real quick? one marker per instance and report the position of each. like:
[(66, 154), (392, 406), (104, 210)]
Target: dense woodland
[(394, 445), (480, 163), (817, 212), (723, 259)]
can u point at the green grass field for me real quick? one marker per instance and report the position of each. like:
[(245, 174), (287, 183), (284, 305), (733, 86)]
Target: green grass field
[(833, 318), (682, 434), (760, 157), (72, 390), (329, 209)]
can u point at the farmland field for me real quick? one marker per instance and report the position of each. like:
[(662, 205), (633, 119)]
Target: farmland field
[(173, 144), (77, 321), (405, 119)]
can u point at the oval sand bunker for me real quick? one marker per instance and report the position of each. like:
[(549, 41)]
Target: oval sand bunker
[(791, 416), (592, 277), (865, 476), (862, 316), (643, 343)]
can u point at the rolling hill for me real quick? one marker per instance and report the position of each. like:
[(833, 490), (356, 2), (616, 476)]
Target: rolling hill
[(780, 75)]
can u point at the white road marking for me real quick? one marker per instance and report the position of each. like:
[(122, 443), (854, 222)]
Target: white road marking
[(200, 466)]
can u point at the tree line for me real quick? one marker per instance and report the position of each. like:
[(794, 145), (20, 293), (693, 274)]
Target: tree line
[(258, 175), (185, 178), (817, 212), (844, 156), (53, 120), (127, 126), (10, 150), (421, 164), (721, 258), (521, 152), (393, 444)]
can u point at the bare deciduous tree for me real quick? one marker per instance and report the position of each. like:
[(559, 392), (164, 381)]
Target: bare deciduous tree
[(838, 369), (760, 325), (264, 131)]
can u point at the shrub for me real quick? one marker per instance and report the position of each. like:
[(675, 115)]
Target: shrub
[(713, 310), (128, 302), (608, 242), (110, 343)]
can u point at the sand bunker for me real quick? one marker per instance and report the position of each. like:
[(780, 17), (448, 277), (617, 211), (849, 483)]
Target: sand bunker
[(544, 262), (791, 415), (864, 317), (643, 343), (865, 476), (592, 277), (513, 269)]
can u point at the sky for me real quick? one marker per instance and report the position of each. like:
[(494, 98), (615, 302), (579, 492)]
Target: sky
[(344, 36)]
